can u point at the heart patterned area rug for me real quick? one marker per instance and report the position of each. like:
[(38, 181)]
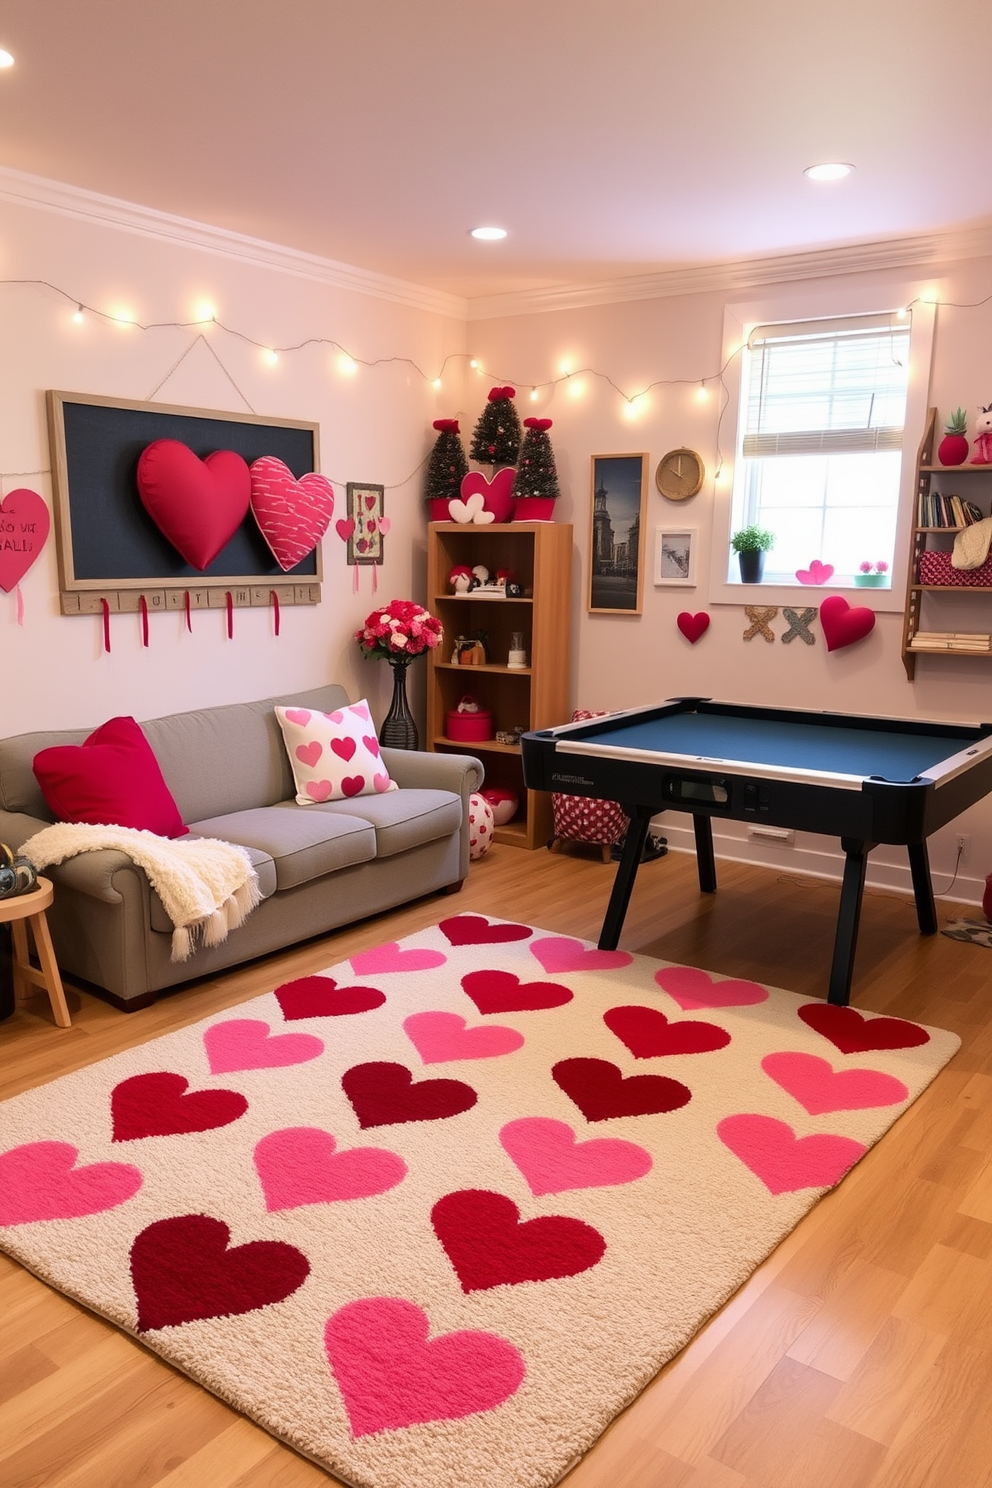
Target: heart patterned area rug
[(435, 1216)]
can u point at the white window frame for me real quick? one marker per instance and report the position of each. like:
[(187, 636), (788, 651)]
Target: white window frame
[(739, 321)]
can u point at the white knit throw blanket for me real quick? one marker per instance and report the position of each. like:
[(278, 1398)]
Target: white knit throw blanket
[(206, 886)]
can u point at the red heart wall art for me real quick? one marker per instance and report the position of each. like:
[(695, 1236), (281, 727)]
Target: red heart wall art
[(842, 624), (693, 626), (197, 505), (24, 524), (496, 493), (292, 514)]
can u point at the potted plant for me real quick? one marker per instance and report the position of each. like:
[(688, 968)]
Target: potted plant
[(872, 575), (751, 544)]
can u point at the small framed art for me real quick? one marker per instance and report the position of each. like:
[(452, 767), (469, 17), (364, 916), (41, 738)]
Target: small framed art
[(616, 535), (675, 556), (365, 543)]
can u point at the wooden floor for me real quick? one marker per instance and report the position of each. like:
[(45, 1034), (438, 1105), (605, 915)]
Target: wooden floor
[(858, 1356)]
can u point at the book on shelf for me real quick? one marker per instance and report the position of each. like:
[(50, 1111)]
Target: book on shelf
[(935, 509)]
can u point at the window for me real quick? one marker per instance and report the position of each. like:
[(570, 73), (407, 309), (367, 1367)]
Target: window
[(822, 412)]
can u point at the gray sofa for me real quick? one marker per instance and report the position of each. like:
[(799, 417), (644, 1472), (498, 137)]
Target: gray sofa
[(319, 866)]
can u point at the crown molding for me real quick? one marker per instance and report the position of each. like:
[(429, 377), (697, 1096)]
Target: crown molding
[(739, 274), (21, 189)]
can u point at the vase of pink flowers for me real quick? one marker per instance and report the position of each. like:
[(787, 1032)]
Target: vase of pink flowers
[(872, 575), (398, 633)]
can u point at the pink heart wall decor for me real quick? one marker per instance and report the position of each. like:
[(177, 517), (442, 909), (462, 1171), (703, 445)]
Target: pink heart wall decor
[(693, 626), (496, 493), (843, 624), (817, 573), (197, 505), (292, 513), (24, 527)]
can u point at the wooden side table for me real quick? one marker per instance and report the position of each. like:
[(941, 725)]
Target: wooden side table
[(19, 912)]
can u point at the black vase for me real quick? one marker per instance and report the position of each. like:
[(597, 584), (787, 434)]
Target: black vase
[(752, 562), (398, 728)]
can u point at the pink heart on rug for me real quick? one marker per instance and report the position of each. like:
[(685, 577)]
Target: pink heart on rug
[(309, 754), (24, 528), (247, 1043), (384, 1094), (817, 573), (345, 528), (292, 514), (852, 1033), (321, 997), (504, 992), (319, 790), (470, 929), (391, 957), (783, 1161), (440, 1038), (552, 1160), (344, 748), (560, 953), (648, 1034), (489, 1245), (197, 505), (844, 624), (352, 785), (497, 494), (41, 1181), (183, 1270), (298, 715), (301, 1165), (693, 626), (601, 1091), (819, 1088), (694, 989), (161, 1105), (391, 1375)]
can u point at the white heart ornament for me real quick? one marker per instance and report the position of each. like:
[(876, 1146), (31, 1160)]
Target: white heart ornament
[(470, 512)]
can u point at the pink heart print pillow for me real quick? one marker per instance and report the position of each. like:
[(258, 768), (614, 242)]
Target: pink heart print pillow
[(333, 756)]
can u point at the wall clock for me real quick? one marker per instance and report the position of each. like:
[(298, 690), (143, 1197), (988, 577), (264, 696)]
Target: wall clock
[(680, 474)]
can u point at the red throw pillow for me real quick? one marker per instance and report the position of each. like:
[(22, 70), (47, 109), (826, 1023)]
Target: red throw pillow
[(111, 779)]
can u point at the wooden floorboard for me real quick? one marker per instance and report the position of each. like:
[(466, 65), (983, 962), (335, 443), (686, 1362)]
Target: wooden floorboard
[(858, 1356)]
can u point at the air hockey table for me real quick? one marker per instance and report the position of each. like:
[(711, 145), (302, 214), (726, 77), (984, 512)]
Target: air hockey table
[(866, 780)]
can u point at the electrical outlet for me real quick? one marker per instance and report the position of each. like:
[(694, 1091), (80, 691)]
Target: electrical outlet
[(961, 842)]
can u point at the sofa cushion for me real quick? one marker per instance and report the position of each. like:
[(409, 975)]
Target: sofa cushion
[(110, 779), (301, 845), (404, 818), (334, 756)]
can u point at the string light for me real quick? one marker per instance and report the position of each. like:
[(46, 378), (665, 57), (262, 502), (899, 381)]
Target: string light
[(702, 392), (78, 316), (270, 356), (347, 365)]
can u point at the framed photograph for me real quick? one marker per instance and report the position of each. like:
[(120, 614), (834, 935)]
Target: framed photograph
[(365, 543), (616, 535), (675, 556)]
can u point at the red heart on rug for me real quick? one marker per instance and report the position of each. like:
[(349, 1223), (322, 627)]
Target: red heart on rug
[(301, 1165), (852, 1033), (692, 989), (470, 929), (601, 1091), (783, 1161), (561, 953), (292, 514), (383, 1094), (496, 493), (819, 1088), (247, 1043), (817, 573), (161, 1105), (183, 1270), (321, 997), (489, 1245), (197, 505), (24, 527), (552, 1160), (440, 1038), (504, 992), (40, 1181), (391, 1375), (843, 624), (693, 626), (648, 1034)]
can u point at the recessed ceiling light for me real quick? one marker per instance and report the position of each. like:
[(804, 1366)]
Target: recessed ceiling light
[(488, 234), (831, 172), (6, 60)]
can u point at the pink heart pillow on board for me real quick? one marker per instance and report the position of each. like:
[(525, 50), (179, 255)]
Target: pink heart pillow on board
[(197, 505), (292, 514)]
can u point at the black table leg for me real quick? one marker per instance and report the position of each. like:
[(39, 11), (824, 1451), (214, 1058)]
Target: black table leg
[(848, 918), (919, 867), (705, 861), (623, 883)]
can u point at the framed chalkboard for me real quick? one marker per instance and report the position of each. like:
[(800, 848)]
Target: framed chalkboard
[(110, 550)]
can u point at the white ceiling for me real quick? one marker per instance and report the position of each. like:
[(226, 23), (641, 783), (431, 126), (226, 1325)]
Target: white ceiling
[(611, 137)]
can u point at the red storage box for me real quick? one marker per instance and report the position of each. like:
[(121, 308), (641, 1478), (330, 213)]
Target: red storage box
[(469, 727)]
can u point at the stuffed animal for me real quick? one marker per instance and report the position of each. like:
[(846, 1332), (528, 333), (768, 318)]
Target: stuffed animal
[(460, 578), (982, 443)]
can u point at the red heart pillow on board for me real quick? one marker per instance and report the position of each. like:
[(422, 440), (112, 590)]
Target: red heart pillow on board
[(842, 624), (197, 505), (292, 514)]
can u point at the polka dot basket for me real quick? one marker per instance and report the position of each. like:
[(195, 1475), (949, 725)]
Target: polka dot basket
[(480, 826)]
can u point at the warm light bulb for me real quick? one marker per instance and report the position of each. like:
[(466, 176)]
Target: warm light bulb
[(902, 313), (78, 315), (123, 317), (270, 356), (436, 384), (534, 395), (347, 365), (833, 170), (205, 311), (474, 365), (565, 367), (702, 393), (575, 388), (488, 234), (6, 60)]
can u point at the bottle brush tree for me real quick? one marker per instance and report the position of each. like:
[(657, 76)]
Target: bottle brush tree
[(537, 474), (496, 438), (447, 464)]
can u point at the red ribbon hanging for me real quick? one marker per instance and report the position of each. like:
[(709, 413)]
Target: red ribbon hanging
[(105, 606), (230, 616), (275, 608), (20, 605), (189, 621), (143, 603)]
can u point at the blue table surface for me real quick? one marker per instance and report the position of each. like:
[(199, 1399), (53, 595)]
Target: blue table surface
[(893, 756)]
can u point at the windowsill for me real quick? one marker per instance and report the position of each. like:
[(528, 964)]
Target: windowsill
[(805, 595)]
